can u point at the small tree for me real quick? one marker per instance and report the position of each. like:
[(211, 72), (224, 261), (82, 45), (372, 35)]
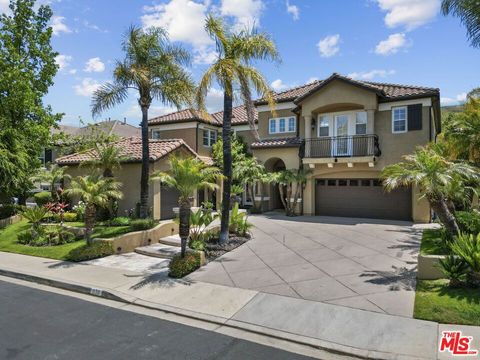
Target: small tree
[(187, 175), (52, 176), (289, 181), (95, 191), (431, 173), (250, 172), (108, 158)]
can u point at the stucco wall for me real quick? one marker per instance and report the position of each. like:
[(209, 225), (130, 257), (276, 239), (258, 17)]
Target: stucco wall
[(188, 135), (247, 137), (263, 120)]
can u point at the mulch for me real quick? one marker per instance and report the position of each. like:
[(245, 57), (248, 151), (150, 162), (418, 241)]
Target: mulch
[(214, 250)]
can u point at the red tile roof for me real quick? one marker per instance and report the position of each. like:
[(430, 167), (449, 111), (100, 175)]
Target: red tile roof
[(131, 150), (278, 142), (385, 90), (184, 116)]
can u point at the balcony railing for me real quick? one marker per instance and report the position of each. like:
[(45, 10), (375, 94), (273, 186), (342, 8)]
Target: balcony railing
[(341, 146)]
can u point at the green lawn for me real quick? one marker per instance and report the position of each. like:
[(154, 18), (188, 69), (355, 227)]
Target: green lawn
[(435, 301), (432, 244), (8, 241)]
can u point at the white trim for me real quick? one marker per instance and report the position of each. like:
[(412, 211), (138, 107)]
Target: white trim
[(388, 106), (329, 119), (406, 120), (209, 137), (277, 125), (280, 106), (177, 126)]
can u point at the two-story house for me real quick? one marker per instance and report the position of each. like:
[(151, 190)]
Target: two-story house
[(346, 131)]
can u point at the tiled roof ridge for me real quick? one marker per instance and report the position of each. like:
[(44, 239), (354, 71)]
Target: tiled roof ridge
[(299, 87), (399, 85)]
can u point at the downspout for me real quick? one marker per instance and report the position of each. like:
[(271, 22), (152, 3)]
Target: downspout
[(196, 138)]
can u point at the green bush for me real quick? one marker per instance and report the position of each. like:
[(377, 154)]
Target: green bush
[(142, 224), (89, 252), (120, 221), (58, 235), (70, 217), (43, 198), (25, 237), (179, 267), (468, 221), (7, 210), (454, 268), (45, 236), (467, 247)]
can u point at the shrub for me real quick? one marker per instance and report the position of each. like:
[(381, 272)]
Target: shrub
[(34, 215), (179, 267), (467, 246), (142, 224), (79, 209), (468, 221), (43, 198), (7, 210), (120, 221), (70, 217), (58, 235), (25, 237), (199, 221), (85, 252), (454, 268), (238, 221)]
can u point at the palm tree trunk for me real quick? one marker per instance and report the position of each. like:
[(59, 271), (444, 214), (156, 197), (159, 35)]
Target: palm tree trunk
[(184, 227), (227, 162), (446, 217), (295, 198), (145, 165), (90, 213), (281, 190), (252, 195)]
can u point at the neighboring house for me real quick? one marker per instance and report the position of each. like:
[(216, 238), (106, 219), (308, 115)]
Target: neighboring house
[(346, 131), (162, 199)]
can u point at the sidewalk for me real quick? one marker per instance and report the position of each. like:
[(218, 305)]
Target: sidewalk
[(352, 332)]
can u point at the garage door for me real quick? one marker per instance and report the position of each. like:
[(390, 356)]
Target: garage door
[(169, 200), (364, 198)]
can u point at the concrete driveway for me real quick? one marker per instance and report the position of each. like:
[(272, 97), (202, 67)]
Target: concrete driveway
[(359, 263)]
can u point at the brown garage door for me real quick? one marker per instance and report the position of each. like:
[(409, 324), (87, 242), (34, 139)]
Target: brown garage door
[(169, 200), (364, 198)]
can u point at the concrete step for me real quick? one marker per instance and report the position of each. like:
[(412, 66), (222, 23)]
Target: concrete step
[(158, 250), (172, 240)]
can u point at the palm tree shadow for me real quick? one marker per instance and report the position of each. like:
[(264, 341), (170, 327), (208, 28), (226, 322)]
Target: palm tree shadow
[(158, 279), (399, 278)]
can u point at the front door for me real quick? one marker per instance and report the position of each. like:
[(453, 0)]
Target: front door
[(341, 143)]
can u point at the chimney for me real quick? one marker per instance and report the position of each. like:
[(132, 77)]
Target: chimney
[(124, 120)]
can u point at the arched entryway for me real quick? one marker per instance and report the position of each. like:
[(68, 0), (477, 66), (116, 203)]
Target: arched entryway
[(274, 165)]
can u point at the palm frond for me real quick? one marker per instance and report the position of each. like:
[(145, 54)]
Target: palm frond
[(107, 96)]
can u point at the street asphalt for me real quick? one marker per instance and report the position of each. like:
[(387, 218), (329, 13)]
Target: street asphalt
[(37, 324)]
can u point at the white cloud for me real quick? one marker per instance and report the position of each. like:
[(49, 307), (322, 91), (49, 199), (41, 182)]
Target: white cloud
[(87, 87), (312, 79), (392, 44), (91, 26), (94, 65), (183, 19), (294, 10), (372, 74), (4, 6), (278, 85), (214, 100), (58, 25), (246, 12), (329, 46), (204, 56), (409, 13), (460, 98), (63, 61)]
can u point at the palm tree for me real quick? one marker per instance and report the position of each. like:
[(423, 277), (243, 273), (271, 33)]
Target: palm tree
[(95, 191), (233, 68), (250, 172), (52, 176), (469, 13), (288, 181), (187, 175), (108, 158), (155, 69), (428, 170)]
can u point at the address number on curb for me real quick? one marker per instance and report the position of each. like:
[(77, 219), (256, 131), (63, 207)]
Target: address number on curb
[(96, 292)]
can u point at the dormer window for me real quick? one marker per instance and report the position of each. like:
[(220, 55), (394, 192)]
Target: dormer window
[(282, 125)]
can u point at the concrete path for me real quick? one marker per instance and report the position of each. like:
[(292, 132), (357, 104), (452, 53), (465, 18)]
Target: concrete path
[(132, 262), (359, 263), (353, 332)]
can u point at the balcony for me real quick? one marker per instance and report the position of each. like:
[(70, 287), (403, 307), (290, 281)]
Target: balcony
[(341, 147)]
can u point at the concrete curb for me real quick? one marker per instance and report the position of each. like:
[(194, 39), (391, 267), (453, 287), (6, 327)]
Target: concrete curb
[(317, 344)]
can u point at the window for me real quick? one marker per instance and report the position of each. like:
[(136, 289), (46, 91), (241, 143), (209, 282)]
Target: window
[(361, 123), (399, 119), (365, 182), (353, 183), (42, 157), (282, 125), (342, 182), (321, 182), (156, 134), (323, 126), (332, 182), (209, 137)]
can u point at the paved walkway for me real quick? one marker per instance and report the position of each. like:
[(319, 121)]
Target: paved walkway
[(359, 263), (358, 333)]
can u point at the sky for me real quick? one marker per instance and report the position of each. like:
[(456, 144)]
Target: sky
[(396, 41)]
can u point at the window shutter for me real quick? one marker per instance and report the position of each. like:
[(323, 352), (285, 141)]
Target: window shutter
[(48, 156), (414, 117)]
